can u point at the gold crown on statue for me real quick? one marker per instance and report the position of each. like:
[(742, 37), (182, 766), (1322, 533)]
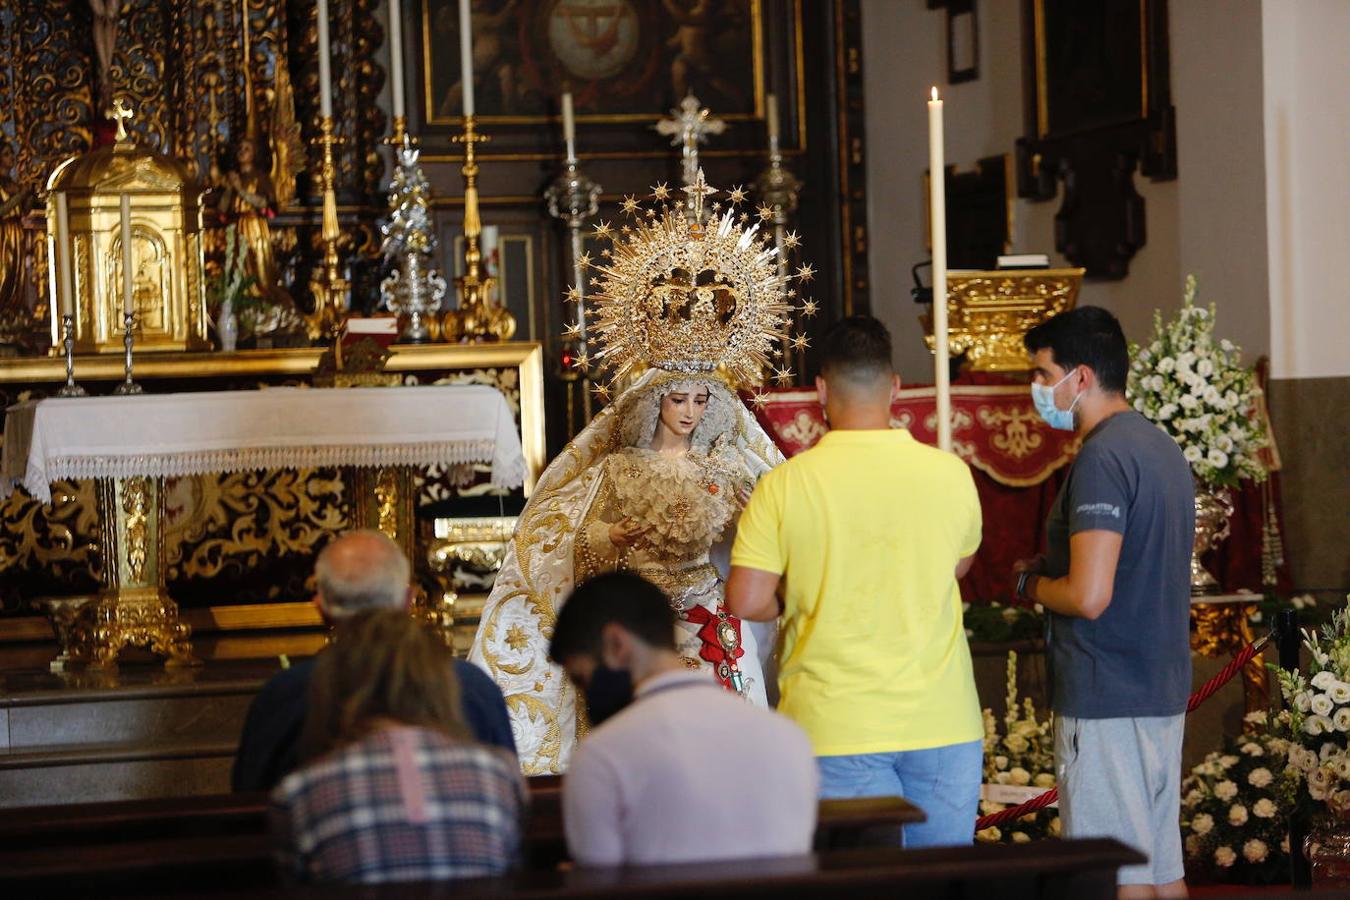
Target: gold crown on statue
[(692, 288)]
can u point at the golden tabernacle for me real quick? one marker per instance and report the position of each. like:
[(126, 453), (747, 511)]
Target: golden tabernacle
[(88, 197), (990, 312)]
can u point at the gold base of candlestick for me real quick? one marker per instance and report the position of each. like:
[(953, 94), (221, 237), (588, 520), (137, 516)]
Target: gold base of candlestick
[(479, 317)]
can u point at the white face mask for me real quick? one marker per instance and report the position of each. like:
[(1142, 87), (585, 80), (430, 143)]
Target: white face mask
[(1044, 397)]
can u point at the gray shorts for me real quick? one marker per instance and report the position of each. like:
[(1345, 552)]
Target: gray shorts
[(1121, 778)]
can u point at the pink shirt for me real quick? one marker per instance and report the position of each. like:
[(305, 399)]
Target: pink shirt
[(690, 772)]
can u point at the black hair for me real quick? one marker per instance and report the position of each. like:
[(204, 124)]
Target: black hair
[(857, 348), (628, 600), (1087, 336)]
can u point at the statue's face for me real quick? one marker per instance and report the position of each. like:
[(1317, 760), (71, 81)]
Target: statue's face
[(681, 411), (246, 153)]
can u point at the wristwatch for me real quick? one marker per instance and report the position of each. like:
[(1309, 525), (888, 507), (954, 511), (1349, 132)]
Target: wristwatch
[(1022, 580)]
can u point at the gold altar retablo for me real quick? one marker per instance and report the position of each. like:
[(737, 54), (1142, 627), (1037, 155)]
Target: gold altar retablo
[(989, 313), (165, 211)]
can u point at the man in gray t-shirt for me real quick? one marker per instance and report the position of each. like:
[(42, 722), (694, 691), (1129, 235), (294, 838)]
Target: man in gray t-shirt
[(1116, 582)]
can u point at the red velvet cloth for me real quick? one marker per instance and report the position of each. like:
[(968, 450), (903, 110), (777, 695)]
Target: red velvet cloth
[(1019, 464)]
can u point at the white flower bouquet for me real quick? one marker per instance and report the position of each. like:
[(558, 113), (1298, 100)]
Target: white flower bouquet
[(1018, 765), (1197, 391), (1234, 828), (1317, 721)]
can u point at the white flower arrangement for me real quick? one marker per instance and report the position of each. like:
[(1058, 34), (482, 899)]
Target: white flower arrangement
[(1022, 757), (1232, 818), (1196, 390), (1317, 722)]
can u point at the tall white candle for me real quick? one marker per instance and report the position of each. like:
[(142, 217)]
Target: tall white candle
[(937, 196), (127, 274), (569, 126), (396, 56), (64, 245), (325, 76), (466, 57), (771, 114)]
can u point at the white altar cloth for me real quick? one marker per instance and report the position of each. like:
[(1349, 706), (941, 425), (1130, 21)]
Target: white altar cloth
[(275, 428)]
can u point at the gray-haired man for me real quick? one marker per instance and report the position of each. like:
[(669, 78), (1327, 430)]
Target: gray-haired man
[(357, 572)]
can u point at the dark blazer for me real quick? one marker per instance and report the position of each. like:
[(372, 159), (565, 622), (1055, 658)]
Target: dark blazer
[(269, 746)]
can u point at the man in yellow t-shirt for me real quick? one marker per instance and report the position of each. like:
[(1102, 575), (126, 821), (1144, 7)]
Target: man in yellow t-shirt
[(869, 531)]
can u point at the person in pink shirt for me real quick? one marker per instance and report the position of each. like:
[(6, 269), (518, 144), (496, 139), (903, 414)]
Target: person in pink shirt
[(675, 768)]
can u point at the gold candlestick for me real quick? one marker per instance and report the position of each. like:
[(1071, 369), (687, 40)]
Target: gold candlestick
[(477, 319), (328, 286), (400, 128)]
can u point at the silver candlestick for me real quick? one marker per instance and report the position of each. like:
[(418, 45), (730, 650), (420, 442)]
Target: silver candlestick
[(128, 386), (414, 289), (71, 389), (574, 198), (777, 188)]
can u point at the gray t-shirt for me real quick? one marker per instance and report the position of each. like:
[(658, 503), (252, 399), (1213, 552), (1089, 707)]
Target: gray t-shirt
[(1135, 659)]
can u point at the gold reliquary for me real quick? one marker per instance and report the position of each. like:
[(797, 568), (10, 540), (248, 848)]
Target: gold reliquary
[(93, 200), (989, 313)]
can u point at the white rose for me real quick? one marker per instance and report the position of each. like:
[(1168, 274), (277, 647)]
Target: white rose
[(1327, 751), (1019, 776), (1302, 701), (1225, 857), (1202, 824), (1192, 454), (1316, 725), (1226, 345), (1237, 814), (1158, 382), (1339, 692), (1189, 402), (1253, 749), (1323, 680), (1205, 368), (1224, 443), (1322, 705), (1001, 762), (1228, 761), (1167, 411), (1231, 398), (1260, 777), (1265, 808), (1044, 780), (1192, 845), (1186, 359), (1225, 790), (1342, 719), (1166, 364), (1020, 837), (1255, 851)]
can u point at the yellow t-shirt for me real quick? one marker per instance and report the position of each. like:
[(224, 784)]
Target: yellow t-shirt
[(867, 528)]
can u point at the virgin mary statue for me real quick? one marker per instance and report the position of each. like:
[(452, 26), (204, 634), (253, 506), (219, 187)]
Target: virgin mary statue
[(655, 483)]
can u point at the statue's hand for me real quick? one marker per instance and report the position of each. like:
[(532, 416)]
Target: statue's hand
[(626, 532)]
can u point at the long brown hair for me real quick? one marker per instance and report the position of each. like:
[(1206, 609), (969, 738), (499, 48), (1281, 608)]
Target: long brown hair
[(382, 665)]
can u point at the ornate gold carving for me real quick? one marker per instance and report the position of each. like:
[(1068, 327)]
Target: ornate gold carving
[(1213, 523), (136, 509), (387, 498), (989, 313)]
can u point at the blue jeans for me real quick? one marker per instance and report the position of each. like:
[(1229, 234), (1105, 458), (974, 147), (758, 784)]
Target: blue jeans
[(942, 781)]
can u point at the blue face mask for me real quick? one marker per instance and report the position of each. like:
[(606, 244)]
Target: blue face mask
[(1043, 396)]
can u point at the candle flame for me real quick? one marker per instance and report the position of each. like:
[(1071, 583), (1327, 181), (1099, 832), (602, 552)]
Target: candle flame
[(935, 96)]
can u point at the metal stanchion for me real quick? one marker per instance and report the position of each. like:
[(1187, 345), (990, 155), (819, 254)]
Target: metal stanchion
[(1288, 640)]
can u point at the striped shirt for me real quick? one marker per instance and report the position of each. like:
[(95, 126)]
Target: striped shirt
[(402, 804)]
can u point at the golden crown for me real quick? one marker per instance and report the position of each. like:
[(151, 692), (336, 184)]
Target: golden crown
[(689, 292)]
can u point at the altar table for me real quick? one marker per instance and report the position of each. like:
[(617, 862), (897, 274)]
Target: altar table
[(129, 444)]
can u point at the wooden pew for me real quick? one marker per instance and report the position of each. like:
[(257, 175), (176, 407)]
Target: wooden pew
[(181, 842), (1053, 870)]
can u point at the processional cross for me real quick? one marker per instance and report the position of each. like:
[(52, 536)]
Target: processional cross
[(688, 127)]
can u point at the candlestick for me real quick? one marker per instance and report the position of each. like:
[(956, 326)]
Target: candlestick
[(64, 246), (71, 389), (569, 126), (128, 386), (330, 289), (771, 104), (325, 77), (396, 57), (127, 274), (477, 318), (937, 197), (574, 198), (466, 58)]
